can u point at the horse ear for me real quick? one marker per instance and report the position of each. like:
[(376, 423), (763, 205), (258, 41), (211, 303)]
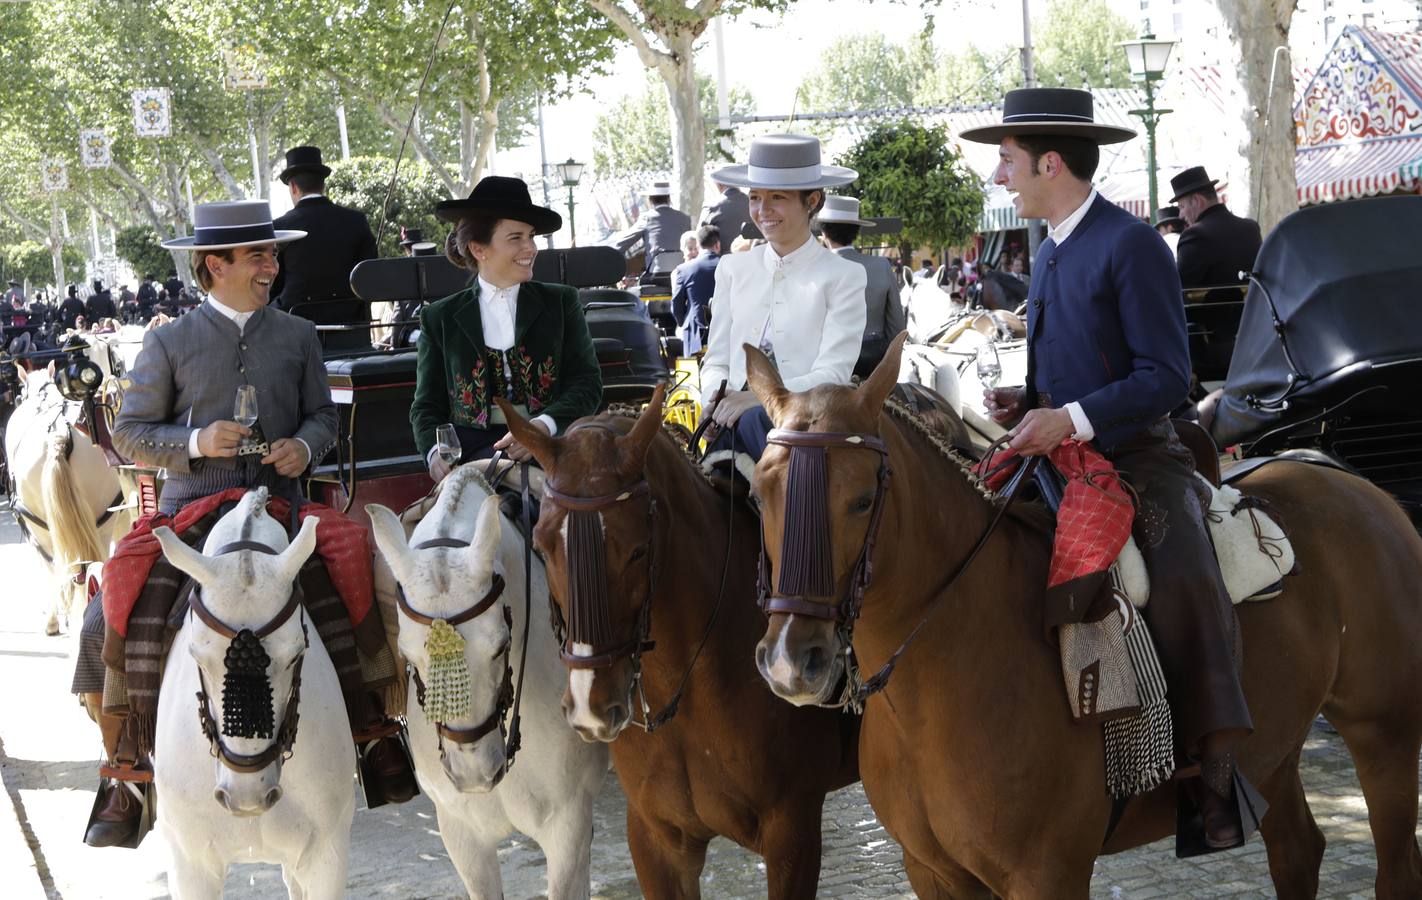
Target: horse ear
[(635, 444), (764, 381), (290, 560), (390, 539), (184, 558), (875, 389), (540, 443), (487, 532)]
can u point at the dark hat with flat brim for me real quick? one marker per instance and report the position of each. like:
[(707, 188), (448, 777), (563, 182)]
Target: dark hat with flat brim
[(1189, 181), (303, 159), (223, 226), (1168, 215), (504, 198), (789, 162), (410, 236), (1064, 111)]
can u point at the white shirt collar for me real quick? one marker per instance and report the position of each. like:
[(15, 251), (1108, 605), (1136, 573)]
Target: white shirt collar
[(488, 291), (803, 252), (1066, 226), (239, 318), (309, 196)]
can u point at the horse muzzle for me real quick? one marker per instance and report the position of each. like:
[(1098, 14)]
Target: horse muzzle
[(246, 796), (801, 660)]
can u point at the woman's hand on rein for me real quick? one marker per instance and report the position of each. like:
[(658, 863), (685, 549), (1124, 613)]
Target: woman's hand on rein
[(732, 406), (516, 451)]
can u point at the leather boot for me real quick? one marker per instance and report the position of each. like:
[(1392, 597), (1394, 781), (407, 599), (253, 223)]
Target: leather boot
[(1219, 807), (386, 761), (117, 818)]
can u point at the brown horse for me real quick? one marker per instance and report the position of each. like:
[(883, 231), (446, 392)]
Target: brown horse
[(970, 755), (671, 560)]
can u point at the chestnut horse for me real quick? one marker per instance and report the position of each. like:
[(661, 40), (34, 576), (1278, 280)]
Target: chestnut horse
[(970, 756), (673, 562)]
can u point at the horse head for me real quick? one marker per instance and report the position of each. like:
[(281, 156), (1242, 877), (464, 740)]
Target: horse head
[(455, 631), (248, 638), (818, 522), (596, 531)]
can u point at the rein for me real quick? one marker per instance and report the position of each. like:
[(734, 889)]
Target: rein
[(806, 564), (281, 747)]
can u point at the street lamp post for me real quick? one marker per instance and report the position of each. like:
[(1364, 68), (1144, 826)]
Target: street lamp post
[(571, 173), (1147, 58)]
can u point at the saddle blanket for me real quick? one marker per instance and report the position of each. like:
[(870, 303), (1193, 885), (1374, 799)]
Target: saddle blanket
[(1253, 551)]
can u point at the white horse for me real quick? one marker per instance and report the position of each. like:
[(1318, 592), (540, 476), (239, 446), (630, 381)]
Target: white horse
[(252, 803), (62, 488), (448, 567)]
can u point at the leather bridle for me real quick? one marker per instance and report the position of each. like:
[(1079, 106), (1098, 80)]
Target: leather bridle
[(495, 719), (285, 740)]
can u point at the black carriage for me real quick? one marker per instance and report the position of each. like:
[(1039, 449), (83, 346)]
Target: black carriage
[(375, 458), (1329, 350)]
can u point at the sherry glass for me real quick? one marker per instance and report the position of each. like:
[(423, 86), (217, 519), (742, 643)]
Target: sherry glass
[(244, 408), (447, 446), (989, 366)]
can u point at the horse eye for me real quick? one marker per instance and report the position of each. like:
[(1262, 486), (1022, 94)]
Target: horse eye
[(862, 505), (639, 553)]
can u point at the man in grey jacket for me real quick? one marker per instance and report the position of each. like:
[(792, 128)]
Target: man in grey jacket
[(178, 412), (729, 213), (659, 229), (840, 224)]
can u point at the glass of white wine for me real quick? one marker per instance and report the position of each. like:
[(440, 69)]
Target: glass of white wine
[(244, 408), (447, 446), (989, 366)]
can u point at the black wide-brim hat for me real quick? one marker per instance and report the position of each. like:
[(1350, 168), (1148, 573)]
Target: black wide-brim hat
[(1189, 181), (303, 159), (1168, 215), (503, 198), (1048, 111), (410, 236)]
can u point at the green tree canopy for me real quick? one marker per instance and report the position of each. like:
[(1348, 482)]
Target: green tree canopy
[(915, 173), (29, 261), (362, 181), (140, 248), (634, 136), (869, 72)]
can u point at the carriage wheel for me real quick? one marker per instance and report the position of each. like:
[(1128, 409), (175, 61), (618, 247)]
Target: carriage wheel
[(679, 433)]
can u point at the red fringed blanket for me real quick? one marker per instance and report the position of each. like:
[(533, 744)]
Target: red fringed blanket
[(342, 544), (1093, 524)]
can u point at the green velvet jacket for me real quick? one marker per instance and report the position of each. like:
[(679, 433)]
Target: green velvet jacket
[(554, 367)]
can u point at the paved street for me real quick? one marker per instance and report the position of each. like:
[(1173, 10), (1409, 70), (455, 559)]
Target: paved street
[(48, 750)]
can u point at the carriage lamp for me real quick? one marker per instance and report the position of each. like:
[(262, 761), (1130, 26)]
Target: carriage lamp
[(571, 172), (1147, 56), (79, 379)]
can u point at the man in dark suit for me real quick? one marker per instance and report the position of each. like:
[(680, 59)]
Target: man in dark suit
[(147, 298), (100, 305), (691, 305), (884, 310), (659, 229), (1217, 245), (1107, 362), (730, 213), (174, 287), (316, 270), (71, 309)]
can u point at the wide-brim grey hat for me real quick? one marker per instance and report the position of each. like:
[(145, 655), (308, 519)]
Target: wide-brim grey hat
[(1048, 111), (840, 210), (786, 161), (223, 226)]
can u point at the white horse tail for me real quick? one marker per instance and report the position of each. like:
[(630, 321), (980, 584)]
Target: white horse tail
[(73, 533)]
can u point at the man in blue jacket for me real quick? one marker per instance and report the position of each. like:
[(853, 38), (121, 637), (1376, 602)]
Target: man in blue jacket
[(691, 305), (1107, 362)]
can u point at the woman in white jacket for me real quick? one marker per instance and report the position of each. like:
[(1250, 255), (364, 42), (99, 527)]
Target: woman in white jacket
[(800, 303)]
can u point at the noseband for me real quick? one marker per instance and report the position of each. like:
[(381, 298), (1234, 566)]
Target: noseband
[(506, 699), (280, 748)]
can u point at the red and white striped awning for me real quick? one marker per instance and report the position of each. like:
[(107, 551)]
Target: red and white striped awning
[(1363, 169)]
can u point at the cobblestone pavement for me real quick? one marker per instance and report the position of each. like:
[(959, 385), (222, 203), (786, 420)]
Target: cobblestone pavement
[(48, 755)]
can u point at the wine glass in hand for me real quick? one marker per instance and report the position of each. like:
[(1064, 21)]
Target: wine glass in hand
[(989, 366), (447, 446), (244, 408)]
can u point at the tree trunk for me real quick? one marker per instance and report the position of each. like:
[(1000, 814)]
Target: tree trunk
[(688, 128), (421, 146), (219, 169), (56, 245), (1262, 182)]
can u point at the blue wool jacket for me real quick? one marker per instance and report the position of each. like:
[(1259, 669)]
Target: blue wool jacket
[(1106, 324)]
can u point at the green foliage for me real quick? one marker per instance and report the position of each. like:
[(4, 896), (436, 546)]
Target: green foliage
[(1076, 45), (362, 181), (31, 262), (139, 246), (868, 72), (915, 173), (970, 77), (634, 136)]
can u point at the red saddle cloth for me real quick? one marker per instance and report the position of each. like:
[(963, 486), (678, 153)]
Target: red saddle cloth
[(342, 544), (1094, 519)]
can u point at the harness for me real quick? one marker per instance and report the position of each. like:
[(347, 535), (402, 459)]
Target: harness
[(806, 566), (281, 747)]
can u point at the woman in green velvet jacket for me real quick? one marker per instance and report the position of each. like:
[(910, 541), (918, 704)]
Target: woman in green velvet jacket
[(505, 335)]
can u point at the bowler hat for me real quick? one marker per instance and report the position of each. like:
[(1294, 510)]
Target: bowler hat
[(1065, 111), (786, 161), (504, 198), (1168, 215), (410, 236), (303, 159), (222, 226), (842, 210), (1189, 181)]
